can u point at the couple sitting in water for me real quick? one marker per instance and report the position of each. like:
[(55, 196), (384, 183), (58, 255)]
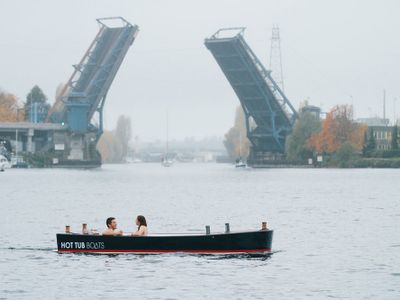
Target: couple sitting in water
[(112, 227)]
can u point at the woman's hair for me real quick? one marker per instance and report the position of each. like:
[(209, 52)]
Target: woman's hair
[(142, 221)]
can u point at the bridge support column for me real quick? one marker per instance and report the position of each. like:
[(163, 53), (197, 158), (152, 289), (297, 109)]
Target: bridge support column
[(29, 146)]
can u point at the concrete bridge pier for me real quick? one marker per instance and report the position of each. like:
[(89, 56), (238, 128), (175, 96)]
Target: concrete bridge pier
[(29, 144)]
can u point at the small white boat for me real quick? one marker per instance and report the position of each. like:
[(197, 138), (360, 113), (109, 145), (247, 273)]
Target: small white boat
[(167, 162), (240, 163), (131, 160)]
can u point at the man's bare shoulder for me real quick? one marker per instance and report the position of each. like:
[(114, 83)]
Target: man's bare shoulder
[(108, 232), (112, 232)]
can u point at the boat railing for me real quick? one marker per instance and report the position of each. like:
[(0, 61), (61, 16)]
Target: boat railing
[(86, 231), (155, 234)]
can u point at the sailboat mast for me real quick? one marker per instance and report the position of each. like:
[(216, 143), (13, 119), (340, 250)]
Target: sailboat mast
[(240, 144), (166, 155)]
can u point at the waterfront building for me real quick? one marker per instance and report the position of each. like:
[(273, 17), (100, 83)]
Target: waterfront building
[(313, 110), (381, 130), (383, 136)]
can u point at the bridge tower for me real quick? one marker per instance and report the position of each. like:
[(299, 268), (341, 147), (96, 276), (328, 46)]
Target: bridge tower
[(82, 99), (269, 114), (275, 58)]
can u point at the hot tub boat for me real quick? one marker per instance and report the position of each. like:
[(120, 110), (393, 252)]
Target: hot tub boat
[(219, 243)]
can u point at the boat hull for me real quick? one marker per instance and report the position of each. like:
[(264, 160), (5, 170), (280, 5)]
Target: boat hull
[(228, 243)]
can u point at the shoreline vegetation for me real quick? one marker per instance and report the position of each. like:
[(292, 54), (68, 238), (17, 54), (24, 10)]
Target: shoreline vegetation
[(357, 163), (334, 142), (338, 141)]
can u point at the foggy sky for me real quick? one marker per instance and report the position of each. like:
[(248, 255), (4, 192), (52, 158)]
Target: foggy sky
[(334, 52)]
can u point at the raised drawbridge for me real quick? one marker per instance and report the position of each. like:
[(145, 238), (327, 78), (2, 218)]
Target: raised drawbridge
[(79, 106), (87, 88), (269, 114)]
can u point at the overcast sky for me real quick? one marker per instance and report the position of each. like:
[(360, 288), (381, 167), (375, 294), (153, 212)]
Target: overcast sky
[(333, 52)]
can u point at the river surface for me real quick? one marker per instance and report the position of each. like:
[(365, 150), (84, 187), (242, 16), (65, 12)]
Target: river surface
[(336, 232)]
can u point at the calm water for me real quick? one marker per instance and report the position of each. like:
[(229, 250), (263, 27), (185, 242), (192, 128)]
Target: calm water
[(337, 232)]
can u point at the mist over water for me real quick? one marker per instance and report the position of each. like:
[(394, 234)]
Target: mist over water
[(335, 232)]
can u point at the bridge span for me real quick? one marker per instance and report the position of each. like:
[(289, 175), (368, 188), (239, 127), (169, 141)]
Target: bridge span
[(269, 114)]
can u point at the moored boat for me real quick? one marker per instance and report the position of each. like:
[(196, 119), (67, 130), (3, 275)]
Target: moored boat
[(219, 243), (240, 164), (167, 162)]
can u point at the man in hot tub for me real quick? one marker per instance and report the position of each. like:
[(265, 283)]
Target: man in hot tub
[(111, 223)]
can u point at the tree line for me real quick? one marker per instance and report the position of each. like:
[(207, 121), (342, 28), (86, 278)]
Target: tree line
[(342, 141), (35, 107), (338, 138), (113, 144)]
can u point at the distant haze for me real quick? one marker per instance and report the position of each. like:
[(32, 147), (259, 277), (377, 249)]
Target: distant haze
[(334, 52)]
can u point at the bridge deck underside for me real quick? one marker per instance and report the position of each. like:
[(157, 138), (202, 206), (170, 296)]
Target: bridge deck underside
[(102, 64), (256, 97)]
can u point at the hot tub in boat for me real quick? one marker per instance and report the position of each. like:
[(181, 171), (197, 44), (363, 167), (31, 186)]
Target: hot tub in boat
[(219, 243)]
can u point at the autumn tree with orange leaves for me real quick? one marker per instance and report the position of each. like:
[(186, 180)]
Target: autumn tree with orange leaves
[(9, 108), (338, 129), (236, 142)]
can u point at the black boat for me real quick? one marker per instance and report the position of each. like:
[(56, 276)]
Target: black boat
[(218, 243)]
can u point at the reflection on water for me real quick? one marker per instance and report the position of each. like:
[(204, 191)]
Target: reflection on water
[(335, 232), (248, 256)]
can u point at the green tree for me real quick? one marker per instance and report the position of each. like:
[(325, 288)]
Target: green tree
[(395, 144), (296, 144), (345, 154), (36, 106)]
